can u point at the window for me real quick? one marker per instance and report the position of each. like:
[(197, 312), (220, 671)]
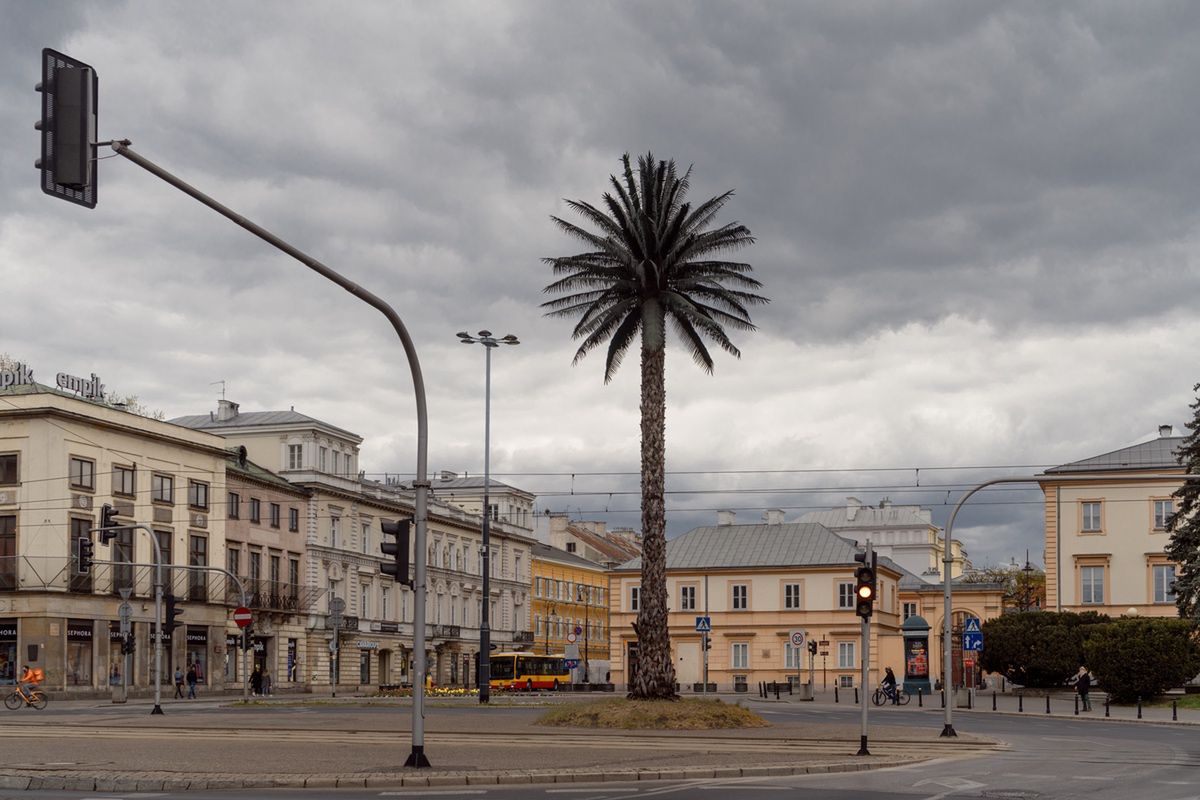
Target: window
[(364, 601), (8, 553), (1163, 509), (124, 481), (162, 488), (1091, 516), (740, 655), (845, 595), (846, 655), (295, 456), (1164, 583), (255, 510), (537, 587), (384, 605), (197, 557), (274, 511), (335, 531), (233, 505), (198, 495), (164, 546), (791, 595), (365, 537), (8, 469), (687, 598), (1091, 585), (793, 657), (294, 520), (634, 596), (83, 474), (910, 610), (741, 597), (294, 576), (570, 547), (324, 454), (233, 557)]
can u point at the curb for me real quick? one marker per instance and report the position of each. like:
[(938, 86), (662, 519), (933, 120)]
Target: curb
[(26, 780)]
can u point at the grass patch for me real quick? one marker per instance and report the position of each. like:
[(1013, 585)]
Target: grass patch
[(671, 715), (1183, 701)]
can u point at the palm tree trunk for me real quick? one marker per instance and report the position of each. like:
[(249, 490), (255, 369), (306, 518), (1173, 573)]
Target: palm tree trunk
[(655, 678)]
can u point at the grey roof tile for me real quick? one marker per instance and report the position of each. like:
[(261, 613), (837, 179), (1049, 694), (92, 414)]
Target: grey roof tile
[(722, 546), (1155, 454)]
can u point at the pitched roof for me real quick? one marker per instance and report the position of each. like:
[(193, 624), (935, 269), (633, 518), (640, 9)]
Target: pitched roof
[(795, 544), (256, 419), (871, 517), (616, 549), (1155, 454), (544, 552)]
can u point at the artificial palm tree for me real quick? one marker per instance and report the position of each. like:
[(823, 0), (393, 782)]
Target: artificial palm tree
[(653, 258)]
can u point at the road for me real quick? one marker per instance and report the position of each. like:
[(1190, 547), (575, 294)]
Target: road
[(1045, 757)]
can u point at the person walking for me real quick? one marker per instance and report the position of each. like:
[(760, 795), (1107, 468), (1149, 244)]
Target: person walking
[(178, 683), (266, 682), (256, 682), (1083, 685), (191, 682)]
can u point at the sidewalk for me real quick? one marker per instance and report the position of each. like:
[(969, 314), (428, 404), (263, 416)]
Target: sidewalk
[(284, 744)]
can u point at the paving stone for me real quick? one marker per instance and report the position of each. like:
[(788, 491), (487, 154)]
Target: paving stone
[(482, 779), (320, 782), (513, 778)]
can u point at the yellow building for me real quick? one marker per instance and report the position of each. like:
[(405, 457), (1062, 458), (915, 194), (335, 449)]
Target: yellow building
[(1106, 534), (570, 601), (756, 584)]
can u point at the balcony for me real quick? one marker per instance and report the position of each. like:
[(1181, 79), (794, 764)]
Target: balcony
[(446, 632), (287, 598), (522, 637)]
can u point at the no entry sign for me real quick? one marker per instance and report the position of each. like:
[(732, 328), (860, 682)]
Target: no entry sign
[(242, 616)]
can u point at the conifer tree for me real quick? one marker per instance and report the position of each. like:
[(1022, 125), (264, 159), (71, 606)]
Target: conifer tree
[(1184, 524)]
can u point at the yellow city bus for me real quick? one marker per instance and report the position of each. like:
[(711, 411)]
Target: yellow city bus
[(528, 671)]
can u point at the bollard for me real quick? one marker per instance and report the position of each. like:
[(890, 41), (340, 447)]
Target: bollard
[(855, 695), (1174, 714), (920, 698), (1106, 706), (835, 693), (993, 699), (776, 691), (1047, 704), (970, 697), (1139, 708), (1021, 704), (1077, 705), (942, 697)]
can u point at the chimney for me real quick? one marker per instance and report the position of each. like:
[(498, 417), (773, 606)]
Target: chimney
[(852, 506), (774, 516), (226, 410), (725, 517), (1165, 430)]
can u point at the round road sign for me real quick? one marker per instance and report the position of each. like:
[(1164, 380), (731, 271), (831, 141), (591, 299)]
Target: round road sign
[(796, 637), (242, 616), (572, 638)]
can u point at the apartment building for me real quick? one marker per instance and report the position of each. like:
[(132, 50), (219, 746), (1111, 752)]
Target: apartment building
[(570, 607), (1106, 531)]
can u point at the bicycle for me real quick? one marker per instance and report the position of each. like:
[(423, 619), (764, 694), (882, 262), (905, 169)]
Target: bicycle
[(882, 696), (15, 699)]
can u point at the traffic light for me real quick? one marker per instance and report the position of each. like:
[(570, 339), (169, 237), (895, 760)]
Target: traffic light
[(171, 613), (398, 550), (865, 584), (707, 643), (68, 124), (128, 644), (248, 637), (84, 554), (812, 647), (108, 524)]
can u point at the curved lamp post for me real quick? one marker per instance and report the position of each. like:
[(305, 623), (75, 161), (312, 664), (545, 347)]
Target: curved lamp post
[(489, 343)]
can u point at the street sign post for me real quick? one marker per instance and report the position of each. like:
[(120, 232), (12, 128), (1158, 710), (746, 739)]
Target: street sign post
[(796, 637)]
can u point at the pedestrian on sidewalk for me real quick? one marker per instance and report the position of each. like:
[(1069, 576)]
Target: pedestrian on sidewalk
[(1083, 685), (191, 682), (266, 682), (256, 682), (178, 683)]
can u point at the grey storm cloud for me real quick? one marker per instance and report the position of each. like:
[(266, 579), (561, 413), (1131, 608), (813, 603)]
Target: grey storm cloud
[(976, 223)]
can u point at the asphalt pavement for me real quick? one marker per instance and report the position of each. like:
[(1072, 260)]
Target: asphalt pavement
[(310, 741)]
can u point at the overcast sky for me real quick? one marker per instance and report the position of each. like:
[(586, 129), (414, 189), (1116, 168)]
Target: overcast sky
[(977, 224)]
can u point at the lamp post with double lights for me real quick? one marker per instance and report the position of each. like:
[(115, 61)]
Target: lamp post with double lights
[(489, 343)]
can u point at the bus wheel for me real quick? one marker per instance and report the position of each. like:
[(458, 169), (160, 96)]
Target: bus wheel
[(529, 685), (555, 687)]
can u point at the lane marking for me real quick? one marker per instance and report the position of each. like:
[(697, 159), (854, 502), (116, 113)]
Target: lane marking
[(420, 793)]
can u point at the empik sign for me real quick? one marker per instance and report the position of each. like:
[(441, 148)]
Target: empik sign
[(21, 375)]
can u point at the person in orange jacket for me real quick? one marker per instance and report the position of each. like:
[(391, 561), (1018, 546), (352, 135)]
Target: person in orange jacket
[(30, 678)]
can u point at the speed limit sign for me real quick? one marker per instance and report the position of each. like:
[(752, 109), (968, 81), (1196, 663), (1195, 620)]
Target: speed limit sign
[(796, 637)]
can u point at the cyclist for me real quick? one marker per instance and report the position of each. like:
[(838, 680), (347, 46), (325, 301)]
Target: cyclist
[(29, 679), (888, 684)]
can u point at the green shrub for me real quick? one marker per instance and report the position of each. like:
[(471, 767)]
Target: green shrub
[(1039, 649), (1134, 658)]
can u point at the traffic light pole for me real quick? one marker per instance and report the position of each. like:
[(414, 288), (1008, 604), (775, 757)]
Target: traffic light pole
[(158, 593), (417, 757)]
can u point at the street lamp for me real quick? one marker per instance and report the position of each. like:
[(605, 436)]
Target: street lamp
[(489, 343)]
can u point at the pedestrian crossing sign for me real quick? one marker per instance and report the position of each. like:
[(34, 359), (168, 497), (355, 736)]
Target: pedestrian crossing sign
[(703, 625), (972, 625)]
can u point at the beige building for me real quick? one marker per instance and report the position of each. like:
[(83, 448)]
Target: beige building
[(62, 457), (1105, 533), (756, 583), (340, 524)]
